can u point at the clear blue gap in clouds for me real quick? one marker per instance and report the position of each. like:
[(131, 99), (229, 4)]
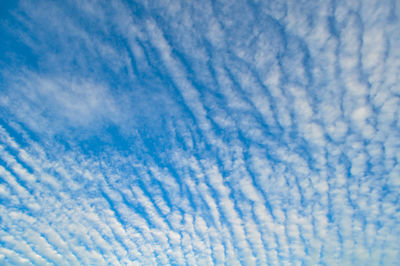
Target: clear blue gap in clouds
[(193, 133)]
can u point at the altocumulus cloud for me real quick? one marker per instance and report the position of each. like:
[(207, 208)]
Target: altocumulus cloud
[(200, 132)]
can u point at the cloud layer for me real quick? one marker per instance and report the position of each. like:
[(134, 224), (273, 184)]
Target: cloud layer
[(195, 133)]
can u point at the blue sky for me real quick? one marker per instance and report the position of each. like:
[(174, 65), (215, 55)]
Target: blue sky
[(199, 132)]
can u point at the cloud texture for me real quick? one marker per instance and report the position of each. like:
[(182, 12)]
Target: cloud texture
[(200, 133)]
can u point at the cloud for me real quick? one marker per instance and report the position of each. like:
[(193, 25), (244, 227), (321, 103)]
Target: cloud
[(63, 103), (243, 133)]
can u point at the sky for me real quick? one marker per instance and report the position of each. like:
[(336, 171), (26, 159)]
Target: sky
[(176, 132)]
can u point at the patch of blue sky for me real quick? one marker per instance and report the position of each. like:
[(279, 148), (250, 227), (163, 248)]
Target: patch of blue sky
[(210, 132)]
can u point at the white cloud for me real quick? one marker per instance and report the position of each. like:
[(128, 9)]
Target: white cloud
[(262, 133)]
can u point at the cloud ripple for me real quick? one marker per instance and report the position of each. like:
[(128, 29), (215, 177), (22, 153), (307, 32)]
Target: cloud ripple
[(195, 133)]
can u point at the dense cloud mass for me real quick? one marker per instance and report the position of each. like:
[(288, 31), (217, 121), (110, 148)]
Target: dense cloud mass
[(200, 132)]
